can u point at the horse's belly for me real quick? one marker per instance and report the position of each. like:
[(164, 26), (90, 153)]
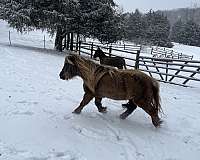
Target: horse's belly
[(113, 96), (113, 92)]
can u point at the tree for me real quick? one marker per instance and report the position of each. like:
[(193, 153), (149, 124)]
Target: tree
[(178, 31), (157, 29), (52, 15), (152, 28), (186, 33), (135, 26), (90, 18), (100, 19)]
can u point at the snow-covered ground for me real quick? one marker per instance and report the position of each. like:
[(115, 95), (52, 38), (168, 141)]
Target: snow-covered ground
[(189, 50), (36, 120)]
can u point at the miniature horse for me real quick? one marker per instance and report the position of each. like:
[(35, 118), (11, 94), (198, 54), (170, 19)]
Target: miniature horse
[(118, 62), (107, 82)]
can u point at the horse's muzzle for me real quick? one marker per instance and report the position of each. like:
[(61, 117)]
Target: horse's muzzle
[(62, 76)]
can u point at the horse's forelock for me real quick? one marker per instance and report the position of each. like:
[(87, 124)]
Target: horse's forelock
[(71, 59)]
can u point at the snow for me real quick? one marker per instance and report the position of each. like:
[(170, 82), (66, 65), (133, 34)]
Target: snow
[(189, 50), (37, 122)]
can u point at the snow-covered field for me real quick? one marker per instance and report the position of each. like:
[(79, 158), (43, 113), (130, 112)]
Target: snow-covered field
[(36, 120)]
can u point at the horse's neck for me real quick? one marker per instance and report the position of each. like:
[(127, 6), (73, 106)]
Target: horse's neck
[(103, 54), (86, 69), (87, 73)]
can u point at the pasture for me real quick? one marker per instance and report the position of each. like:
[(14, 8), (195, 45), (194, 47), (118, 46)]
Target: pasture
[(37, 122)]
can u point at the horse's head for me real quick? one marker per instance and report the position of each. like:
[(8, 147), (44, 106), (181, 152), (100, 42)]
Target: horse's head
[(69, 69), (99, 53)]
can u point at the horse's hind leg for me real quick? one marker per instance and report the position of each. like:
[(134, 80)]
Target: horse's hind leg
[(99, 105), (154, 115), (149, 109), (131, 106), (86, 99)]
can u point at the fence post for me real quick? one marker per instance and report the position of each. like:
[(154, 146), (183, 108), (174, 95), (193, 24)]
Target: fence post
[(79, 48), (9, 38), (179, 56), (77, 41), (137, 60), (92, 47), (110, 50), (124, 46), (167, 65), (152, 50), (65, 42), (68, 41), (44, 41)]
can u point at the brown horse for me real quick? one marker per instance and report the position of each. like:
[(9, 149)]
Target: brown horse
[(103, 81)]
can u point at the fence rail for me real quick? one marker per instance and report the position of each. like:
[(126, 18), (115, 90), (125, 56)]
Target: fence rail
[(177, 71)]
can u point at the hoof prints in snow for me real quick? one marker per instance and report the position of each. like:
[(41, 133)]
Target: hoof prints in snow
[(28, 103), (27, 113), (11, 153)]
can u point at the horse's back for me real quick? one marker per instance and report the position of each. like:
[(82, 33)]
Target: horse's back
[(122, 84), (113, 61)]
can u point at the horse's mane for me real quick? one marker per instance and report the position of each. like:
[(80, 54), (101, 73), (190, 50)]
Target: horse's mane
[(88, 64), (91, 72)]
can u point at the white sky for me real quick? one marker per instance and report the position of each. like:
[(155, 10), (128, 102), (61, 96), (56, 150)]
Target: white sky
[(146, 5)]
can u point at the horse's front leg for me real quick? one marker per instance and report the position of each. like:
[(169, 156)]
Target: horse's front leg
[(99, 105), (86, 99)]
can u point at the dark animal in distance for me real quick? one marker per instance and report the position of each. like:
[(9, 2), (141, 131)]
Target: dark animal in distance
[(103, 81), (118, 62)]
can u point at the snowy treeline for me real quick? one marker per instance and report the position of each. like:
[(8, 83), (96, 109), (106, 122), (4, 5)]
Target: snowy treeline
[(151, 28), (161, 27), (186, 33)]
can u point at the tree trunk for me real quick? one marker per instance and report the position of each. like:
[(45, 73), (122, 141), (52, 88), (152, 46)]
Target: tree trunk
[(65, 42), (77, 41), (68, 40), (59, 39), (71, 42)]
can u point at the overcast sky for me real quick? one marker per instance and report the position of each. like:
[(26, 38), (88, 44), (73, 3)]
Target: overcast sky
[(146, 5)]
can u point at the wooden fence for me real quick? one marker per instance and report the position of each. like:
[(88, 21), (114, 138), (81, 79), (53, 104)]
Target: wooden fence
[(167, 69)]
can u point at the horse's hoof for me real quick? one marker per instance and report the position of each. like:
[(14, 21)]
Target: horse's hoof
[(158, 123), (124, 105), (123, 116), (76, 111), (103, 110)]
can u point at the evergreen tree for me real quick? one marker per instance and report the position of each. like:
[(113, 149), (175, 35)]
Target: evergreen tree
[(177, 33), (186, 33), (135, 27), (101, 20), (52, 15), (90, 18), (152, 28), (157, 29)]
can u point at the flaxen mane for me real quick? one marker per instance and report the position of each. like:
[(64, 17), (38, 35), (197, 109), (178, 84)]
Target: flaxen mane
[(91, 71)]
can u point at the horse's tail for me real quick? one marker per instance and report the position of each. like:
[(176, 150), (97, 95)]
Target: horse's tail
[(156, 96)]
